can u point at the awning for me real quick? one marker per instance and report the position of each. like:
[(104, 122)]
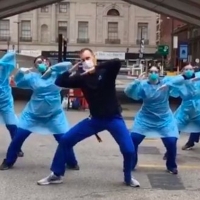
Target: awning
[(9, 8), (185, 10)]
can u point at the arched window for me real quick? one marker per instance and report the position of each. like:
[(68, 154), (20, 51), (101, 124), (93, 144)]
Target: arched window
[(113, 12), (44, 33)]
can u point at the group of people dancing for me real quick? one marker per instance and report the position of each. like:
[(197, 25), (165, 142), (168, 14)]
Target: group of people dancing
[(44, 113)]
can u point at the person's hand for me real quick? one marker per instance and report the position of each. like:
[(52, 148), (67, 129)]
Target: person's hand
[(75, 67), (195, 79), (142, 76), (47, 73), (26, 70), (163, 87), (88, 71)]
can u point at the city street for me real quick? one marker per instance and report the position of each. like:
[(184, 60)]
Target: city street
[(100, 176)]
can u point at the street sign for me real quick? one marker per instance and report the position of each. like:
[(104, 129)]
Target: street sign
[(183, 51), (163, 50)]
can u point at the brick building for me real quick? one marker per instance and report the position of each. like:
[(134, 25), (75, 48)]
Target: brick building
[(167, 26), (191, 35)]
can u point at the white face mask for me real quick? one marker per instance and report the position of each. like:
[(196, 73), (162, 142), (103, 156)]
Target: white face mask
[(88, 64)]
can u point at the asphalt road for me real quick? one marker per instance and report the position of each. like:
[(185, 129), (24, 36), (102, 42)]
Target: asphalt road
[(101, 174)]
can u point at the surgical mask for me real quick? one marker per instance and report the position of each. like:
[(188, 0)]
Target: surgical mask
[(42, 68), (88, 64), (153, 77), (189, 73)]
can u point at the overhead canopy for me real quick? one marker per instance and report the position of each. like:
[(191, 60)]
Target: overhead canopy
[(9, 8), (185, 10)]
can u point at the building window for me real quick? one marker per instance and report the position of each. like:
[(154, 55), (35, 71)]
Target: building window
[(142, 32), (45, 9), (195, 33), (62, 28), (83, 30), (63, 7), (113, 12), (112, 30), (4, 30), (44, 34), (26, 31)]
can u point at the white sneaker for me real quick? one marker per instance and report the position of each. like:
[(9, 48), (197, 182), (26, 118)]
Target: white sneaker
[(51, 179), (134, 183)]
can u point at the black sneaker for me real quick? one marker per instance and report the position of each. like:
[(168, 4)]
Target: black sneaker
[(187, 146), (21, 154), (5, 166), (173, 171), (76, 167)]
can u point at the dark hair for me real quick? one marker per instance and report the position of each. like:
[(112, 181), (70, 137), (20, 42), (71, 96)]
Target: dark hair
[(37, 58), (158, 68), (86, 49), (43, 58)]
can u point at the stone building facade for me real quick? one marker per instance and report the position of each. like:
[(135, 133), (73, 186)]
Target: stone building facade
[(110, 25)]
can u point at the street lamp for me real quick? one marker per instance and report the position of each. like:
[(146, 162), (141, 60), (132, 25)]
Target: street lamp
[(18, 38)]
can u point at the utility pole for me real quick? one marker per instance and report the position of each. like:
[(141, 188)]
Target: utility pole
[(18, 36), (65, 42), (60, 47), (141, 51), (173, 57)]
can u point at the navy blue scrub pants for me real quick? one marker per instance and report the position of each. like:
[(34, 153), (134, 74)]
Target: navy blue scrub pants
[(21, 136), (169, 143), (12, 130), (89, 127), (194, 137)]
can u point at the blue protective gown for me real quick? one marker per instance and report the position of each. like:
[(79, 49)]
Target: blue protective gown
[(187, 114), (155, 118), (43, 113), (7, 113)]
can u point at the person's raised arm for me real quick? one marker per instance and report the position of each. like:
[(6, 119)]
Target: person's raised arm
[(7, 64), (172, 82), (134, 90), (69, 80), (23, 79), (111, 66)]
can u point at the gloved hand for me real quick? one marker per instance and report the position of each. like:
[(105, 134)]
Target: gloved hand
[(142, 76), (26, 70), (195, 79), (47, 73), (163, 87)]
